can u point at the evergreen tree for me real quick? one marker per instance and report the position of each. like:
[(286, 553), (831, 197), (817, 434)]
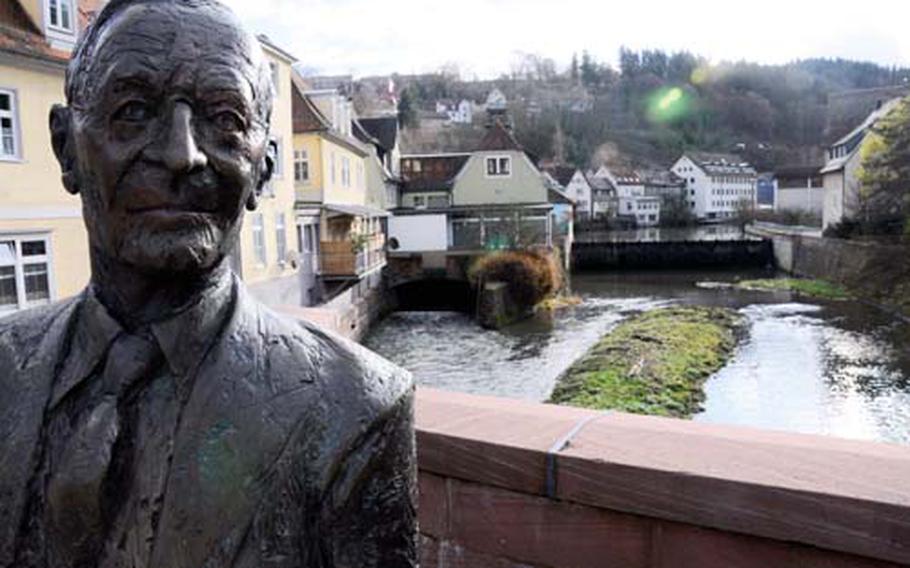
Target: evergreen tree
[(573, 70), (407, 111)]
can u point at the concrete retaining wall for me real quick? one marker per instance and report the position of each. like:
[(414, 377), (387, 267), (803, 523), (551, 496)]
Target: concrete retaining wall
[(689, 254), (879, 272)]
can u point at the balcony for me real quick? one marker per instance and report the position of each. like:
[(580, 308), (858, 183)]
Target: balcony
[(352, 258)]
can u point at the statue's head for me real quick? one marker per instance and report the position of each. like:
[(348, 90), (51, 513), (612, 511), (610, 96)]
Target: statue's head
[(165, 135)]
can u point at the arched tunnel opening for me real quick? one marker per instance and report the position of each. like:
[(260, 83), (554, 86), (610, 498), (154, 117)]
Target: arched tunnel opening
[(435, 294)]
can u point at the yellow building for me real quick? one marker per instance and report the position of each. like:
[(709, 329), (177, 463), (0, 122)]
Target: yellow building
[(43, 244), (340, 227), (267, 253)]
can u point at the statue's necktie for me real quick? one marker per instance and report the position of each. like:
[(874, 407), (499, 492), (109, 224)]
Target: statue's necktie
[(79, 480)]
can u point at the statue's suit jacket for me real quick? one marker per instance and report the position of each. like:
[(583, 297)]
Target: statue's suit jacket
[(296, 448)]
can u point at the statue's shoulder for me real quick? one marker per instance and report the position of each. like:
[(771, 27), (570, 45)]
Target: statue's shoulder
[(336, 365), (25, 333)]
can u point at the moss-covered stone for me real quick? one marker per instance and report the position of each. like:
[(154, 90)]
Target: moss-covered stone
[(654, 363), (814, 288)]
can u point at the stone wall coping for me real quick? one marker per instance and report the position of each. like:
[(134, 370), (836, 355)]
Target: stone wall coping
[(837, 494)]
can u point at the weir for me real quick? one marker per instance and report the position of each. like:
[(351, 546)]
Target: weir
[(589, 255)]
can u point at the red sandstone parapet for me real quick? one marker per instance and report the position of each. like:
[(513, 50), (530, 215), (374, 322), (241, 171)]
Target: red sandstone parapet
[(510, 483)]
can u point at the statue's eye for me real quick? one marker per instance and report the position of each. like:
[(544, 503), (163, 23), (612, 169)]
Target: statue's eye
[(133, 111), (229, 121)]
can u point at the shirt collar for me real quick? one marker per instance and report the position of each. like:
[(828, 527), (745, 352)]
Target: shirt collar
[(184, 338)]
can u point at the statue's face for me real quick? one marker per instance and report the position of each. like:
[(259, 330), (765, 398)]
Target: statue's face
[(170, 137)]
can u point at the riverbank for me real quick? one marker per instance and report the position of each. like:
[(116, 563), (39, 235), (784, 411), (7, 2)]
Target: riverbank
[(820, 289), (654, 363), (871, 271)]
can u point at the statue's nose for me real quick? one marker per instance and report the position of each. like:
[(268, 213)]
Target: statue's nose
[(181, 154)]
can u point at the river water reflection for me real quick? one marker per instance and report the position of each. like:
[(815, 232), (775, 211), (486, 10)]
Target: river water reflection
[(838, 368)]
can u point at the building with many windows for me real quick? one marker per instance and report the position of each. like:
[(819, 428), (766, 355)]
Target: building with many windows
[(266, 256), (43, 243), (491, 198), (44, 252), (631, 200), (340, 222), (719, 185)]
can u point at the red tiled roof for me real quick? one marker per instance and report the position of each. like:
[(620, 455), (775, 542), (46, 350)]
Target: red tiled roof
[(498, 138), (305, 116), (20, 36), (436, 172)]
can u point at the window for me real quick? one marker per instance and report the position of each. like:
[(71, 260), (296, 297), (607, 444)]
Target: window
[(9, 143), (279, 158), (259, 238), (438, 201), (281, 238), (332, 166), (276, 78), (60, 15), (345, 171), (499, 166), (25, 278), (420, 202), (301, 166)]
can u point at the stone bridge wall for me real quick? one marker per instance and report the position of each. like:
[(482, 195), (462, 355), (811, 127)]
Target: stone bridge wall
[(510, 484)]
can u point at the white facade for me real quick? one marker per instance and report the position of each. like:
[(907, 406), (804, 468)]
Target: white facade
[(631, 199), (460, 113), (418, 233), (716, 190), (579, 189)]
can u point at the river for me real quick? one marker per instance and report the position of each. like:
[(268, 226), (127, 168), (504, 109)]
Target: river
[(835, 368)]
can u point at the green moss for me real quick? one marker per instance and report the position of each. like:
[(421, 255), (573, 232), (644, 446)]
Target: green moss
[(814, 288), (653, 363)]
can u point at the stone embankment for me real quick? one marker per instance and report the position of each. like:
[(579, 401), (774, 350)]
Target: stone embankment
[(654, 363), (878, 272)]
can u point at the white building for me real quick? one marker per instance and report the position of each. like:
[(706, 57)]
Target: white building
[(631, 199), (719, 185), (575, 185), (461, 112), (840, 174)]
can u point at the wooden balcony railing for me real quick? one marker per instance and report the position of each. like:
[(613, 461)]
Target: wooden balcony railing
[(338, 258)]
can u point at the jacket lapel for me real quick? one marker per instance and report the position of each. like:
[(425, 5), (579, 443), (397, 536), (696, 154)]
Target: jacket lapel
[(233, 429)]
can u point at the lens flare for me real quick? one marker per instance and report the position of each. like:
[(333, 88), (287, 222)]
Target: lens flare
[(667, 105), (672, 97)]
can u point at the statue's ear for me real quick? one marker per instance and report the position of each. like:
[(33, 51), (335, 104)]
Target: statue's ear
[(266, 169), (61, 140)]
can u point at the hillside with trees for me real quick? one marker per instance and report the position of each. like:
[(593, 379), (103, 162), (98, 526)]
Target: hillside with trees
[(657, 104)]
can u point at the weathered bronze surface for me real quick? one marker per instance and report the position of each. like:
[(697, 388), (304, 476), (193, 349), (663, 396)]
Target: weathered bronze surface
[(163, 418)]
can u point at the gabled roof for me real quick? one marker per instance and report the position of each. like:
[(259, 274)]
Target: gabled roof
[(304, 114), (870, 121), (267, 43), (562, 174), (437, 172), (384, 129), (19, 35), (714, 163), (498, 138)]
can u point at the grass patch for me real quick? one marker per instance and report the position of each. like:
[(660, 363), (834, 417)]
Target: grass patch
[(814, 288), (654, 363)]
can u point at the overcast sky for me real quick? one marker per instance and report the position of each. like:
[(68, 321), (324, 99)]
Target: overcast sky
[(367, 37)]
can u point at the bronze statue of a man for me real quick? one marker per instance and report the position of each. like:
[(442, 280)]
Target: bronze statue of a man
[(163, 418)]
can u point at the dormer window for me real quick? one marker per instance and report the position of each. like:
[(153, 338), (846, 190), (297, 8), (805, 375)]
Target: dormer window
[(499, 166), (60, 15)]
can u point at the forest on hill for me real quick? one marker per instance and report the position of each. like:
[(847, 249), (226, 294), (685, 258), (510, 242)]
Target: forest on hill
[(657, 104)]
